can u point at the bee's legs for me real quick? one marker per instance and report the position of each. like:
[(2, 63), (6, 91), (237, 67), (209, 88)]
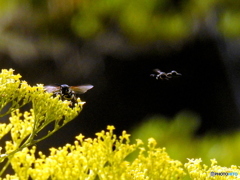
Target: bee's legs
[(73, 101)]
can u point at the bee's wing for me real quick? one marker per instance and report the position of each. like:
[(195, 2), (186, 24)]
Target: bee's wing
[(175, 73), (157, 70), (81, 89), (51, 89)]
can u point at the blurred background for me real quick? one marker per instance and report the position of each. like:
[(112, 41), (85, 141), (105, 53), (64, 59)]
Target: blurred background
[(114, 45)]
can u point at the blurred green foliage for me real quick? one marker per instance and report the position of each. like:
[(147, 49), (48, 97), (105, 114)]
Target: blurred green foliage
[(143, 20), (177, 135), (138, 20)]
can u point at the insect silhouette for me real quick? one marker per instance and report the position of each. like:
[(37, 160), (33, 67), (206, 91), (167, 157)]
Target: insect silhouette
[(165, 76), (67, 92)]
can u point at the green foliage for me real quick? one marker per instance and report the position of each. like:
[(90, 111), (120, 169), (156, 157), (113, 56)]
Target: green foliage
[(229, 24), (177, 135), (139, 20), (146, 21)]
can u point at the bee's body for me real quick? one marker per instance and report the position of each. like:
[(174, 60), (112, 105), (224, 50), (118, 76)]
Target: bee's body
[(68, 92)]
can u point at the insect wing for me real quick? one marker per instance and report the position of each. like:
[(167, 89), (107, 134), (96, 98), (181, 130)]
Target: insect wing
[(81, 89), (157, 71), (51, 89), (175, 73)]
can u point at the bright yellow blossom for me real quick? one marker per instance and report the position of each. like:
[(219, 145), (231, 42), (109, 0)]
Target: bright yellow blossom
[(23, 127), (202, 172), (103, 158)]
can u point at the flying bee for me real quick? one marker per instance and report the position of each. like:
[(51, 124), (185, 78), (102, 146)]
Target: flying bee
[(165, 76), (68, 92)]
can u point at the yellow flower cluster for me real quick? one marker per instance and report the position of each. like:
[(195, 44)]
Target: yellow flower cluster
[(202, 172), (103, 157), (24, 127), (13, 92)]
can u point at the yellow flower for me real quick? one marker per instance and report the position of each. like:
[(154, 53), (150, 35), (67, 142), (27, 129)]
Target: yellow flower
[(80, 137), (103, 158), (198, 171), (110, 128), (24, 127)]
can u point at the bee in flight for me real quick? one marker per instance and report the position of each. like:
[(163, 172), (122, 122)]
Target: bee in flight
[(68, 92), (165, 76)]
